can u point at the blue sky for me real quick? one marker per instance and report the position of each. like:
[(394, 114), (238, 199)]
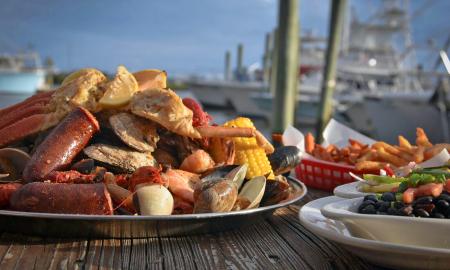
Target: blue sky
[(180, 36)]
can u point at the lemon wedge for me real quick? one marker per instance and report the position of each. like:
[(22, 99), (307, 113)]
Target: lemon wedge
[(151, 78), (79, 73), (119, 90)]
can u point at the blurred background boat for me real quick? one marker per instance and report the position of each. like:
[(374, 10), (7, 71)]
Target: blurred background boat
[(381, 90), (21, 73)]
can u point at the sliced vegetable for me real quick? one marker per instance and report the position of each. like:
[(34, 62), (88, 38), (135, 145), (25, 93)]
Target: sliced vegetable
[(379, 188), (382, 179), (431, 189)]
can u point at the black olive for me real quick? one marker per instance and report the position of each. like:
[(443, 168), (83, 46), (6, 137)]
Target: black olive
[(421, 213), (423, 200), (382, 206), (388, 197), (371, 197), (392, 211), (369, 209), (364, 204), (445, 197), (442, 205), (398, 205), (438, 215)]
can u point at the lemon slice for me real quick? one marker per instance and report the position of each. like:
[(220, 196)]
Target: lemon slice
[(120, 90), (253, 190), (151, 78), (79, 73)]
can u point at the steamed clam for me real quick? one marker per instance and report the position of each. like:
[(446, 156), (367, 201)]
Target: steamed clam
[(235, 173), (215, 196), (153, 199), (12, 163), (253, 191)]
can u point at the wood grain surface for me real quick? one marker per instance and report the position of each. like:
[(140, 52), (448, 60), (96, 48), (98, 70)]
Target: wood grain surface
[(280, 242)]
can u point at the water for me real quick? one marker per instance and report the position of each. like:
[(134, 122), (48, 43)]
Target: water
[(10, 99)]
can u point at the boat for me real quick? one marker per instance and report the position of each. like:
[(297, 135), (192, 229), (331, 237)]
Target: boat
[(21, 74)]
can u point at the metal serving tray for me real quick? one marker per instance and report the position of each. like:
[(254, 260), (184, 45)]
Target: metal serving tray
[(117, 226)]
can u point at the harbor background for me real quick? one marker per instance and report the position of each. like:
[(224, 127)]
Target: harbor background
[(373, 94)]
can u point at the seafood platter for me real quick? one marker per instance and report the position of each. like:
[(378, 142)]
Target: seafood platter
[(127, 157)]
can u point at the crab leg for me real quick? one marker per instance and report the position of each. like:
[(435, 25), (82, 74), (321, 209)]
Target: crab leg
[(35, 99), (21, 129), (217, 131)]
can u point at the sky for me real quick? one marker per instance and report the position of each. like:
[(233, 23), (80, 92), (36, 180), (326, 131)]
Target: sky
[(180, 36)]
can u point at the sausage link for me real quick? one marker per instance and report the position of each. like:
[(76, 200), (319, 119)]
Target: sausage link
[(89, 199), (61, 146)]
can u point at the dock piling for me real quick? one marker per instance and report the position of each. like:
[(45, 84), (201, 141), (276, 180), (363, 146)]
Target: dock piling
[(227, 74), (338, 8), (286, 66)]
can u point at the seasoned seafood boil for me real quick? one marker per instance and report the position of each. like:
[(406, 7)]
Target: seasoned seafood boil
[(129, 145)]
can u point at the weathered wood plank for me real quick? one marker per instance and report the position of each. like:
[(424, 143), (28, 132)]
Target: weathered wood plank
[(69, 254), (281, 242), (110, 255), (138, 259), (93, 253)]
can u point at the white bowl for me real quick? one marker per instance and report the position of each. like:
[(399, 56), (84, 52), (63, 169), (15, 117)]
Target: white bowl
[(387, 254), (349, 191), (425, 232)]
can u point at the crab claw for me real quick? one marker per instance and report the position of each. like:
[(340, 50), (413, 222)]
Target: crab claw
[(24, 118), (44, 110)]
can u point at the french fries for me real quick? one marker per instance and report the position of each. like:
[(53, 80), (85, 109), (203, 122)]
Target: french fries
[(367, 158)]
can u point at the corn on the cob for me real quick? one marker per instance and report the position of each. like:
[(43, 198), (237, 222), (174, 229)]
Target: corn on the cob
[(249, 152)]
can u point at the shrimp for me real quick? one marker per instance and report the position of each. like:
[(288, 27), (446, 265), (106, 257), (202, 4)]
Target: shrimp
[(181, 183), (197, 162)]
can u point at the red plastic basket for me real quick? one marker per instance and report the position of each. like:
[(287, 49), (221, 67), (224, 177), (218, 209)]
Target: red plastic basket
[(324, 175)]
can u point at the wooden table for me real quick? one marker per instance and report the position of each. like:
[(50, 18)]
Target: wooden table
[(278, 243)]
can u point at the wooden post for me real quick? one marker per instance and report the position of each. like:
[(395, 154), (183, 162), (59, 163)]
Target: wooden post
[(227, 74), (287, 65), (273, 63), (240, 55), (266, 58), (329, 79)]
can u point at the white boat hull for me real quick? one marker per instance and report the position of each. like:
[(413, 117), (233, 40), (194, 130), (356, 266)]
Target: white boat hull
[(21, 82)]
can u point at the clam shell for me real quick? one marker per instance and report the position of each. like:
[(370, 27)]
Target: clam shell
[(253, 191), (237, 175), (12, 163), (215, 196), (218, 172), (153, 199)]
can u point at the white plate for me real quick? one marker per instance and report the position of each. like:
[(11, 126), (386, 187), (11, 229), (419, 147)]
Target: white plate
[(426, 232), (384, 253), (349, 191)]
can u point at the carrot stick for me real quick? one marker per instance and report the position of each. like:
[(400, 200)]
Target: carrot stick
[(309, 143)]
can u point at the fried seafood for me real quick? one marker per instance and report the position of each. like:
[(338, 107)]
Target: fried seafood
[(165, 108), (119, 159), (136, 132)]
